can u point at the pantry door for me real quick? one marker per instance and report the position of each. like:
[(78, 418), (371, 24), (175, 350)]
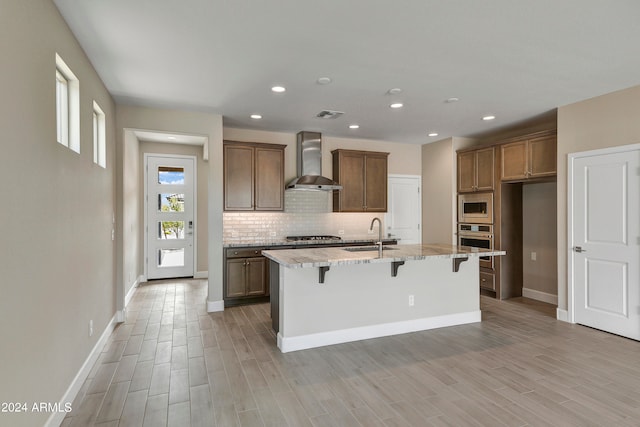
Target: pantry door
[(604, 240), (170, 226), (404, 216)]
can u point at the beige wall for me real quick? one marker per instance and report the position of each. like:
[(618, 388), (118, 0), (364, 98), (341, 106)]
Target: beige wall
[(539, 235), (57, 268), (439, 200), (605, 121), (202, 228), (130, 118)]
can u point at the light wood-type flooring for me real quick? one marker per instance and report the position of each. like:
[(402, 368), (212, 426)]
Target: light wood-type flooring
[(173, 364)]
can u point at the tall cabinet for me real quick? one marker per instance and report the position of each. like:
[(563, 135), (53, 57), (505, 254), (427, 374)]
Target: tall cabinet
[(503, 168)]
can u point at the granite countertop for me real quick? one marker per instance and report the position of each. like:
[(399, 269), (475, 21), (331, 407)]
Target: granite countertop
[(323, 257), (283, 242)]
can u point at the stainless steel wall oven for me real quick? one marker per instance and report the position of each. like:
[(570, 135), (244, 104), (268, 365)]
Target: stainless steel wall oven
[(477, 236)]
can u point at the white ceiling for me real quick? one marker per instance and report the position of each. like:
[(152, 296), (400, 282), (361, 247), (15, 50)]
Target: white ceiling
[(514, 59)]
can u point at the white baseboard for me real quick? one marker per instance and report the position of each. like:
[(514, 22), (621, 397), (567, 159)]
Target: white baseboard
[(540, 296), (129, 295), (213, 306), (321, 339), (201, 275), (56, 418), (562, 315)]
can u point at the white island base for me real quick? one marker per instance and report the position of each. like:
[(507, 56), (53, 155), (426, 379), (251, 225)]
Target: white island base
[(361, 301)]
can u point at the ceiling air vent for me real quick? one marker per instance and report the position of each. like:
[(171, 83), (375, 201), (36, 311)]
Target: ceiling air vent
[(329, 114)]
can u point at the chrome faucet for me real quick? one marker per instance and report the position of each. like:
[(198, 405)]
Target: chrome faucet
[(379, 242)]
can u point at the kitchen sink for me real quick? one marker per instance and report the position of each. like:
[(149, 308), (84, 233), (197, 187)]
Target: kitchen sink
[(367, 248)]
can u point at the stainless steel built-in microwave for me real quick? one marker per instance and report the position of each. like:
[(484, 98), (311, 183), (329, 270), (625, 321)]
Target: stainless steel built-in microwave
[(475, 208)]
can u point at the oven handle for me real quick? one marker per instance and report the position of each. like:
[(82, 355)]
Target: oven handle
[(463, 234)]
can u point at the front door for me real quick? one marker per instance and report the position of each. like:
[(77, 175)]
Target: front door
[(170, 226), (604, 221), (404, 209)]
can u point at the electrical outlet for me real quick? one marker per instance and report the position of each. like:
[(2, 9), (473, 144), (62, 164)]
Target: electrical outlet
[(534, 256), (90, 327), (340, 232), (412, 301)]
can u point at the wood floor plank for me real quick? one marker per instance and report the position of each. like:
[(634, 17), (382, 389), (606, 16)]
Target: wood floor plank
[(86, 413), (202, 414), (179, 337), (113, 402), (250, 419), (179, 386), (179, 358), (269, 410), (102, 380), (133, 411), (148, 350), (126, 368), (156, 411), (141, 376), (160, 379), (179, 414)]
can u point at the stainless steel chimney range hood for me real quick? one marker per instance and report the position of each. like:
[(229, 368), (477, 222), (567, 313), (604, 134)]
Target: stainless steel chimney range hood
[(309, 165)]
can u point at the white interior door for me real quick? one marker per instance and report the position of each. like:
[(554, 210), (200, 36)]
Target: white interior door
[(604, 221), (404, 211), (170, 207)]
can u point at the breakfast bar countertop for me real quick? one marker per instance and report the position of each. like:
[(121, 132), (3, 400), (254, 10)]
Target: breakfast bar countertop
[(324, 257)]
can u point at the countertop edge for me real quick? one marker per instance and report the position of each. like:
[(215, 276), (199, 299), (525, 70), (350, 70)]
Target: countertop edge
[(337, 256)]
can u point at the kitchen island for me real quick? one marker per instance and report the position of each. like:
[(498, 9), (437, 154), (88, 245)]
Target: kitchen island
[(325, 296)]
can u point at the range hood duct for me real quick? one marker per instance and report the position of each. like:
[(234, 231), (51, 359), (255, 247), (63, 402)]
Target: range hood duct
[(309, 165)]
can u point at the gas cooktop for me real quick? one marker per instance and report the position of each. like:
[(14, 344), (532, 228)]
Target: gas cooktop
[(320, 237)]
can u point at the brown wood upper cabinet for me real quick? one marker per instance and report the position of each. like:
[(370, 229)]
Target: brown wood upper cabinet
[(363, 176), (476, 170), (531, 158), (253, 176)]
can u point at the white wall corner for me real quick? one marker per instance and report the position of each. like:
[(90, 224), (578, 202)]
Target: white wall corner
[(213, 306), (562, 315), (69, 396), (201, 275)]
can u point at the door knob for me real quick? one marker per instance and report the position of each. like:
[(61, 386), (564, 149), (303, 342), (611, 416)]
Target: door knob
[(579, 249)]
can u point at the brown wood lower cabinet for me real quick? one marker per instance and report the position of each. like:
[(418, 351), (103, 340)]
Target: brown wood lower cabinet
[(487, 281), (246, 276)]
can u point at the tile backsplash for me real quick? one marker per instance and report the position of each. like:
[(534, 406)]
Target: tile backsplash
[(306, 213)]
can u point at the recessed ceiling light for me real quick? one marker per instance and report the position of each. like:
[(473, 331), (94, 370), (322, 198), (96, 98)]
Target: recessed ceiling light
[(433, 134), (487, 118), (324, 80), (450, 100), (354, 126), (396, 105), (278, 89), (256, 116), (394, 91)]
